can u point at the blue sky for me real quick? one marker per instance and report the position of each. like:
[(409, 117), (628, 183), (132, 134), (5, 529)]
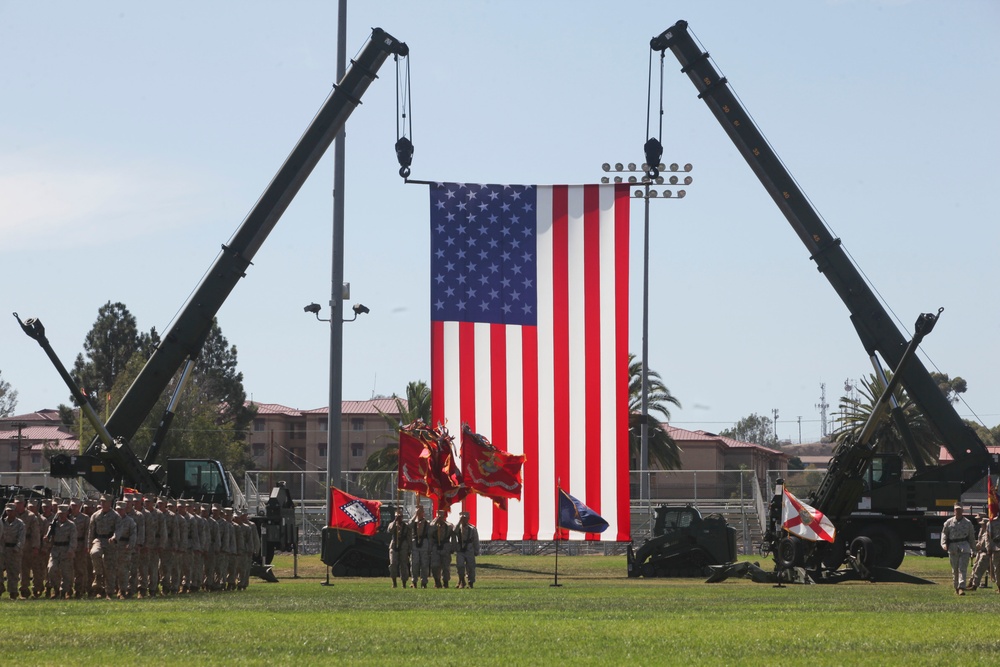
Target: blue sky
[(134, 138)]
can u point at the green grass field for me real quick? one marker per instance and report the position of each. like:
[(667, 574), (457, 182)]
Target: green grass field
[(514, 617)]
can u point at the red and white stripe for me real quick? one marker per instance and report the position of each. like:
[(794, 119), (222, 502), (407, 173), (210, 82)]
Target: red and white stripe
[(556, 392)]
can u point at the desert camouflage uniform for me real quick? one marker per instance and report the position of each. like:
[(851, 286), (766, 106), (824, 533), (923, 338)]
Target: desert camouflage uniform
[(420, 552), (466, 550), (81, 579), (993, 549), (399, 549), (12, 536), (62, 539), (32, 542), (40, 564), (440, 534), (125, 538), (103, 525), (957, 537), (228, 551)]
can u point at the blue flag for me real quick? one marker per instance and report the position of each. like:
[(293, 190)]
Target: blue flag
[(574, 515)]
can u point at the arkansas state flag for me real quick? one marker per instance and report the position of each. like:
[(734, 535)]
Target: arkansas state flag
[(489, 471), (354, 514), (803, 521)]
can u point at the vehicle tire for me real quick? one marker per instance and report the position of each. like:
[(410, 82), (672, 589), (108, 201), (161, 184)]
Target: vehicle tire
[(789, 552), (888, 547), (863, 549)]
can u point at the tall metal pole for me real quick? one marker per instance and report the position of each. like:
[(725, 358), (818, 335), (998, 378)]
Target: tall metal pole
[(644, 429), (333, 444)]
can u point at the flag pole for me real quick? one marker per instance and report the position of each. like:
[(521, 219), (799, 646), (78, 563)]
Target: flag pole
[(555, 583)]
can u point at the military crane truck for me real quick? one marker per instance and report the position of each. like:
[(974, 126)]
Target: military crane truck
[(877, 511), (109, 463)]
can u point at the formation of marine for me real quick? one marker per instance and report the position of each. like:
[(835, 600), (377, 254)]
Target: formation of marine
[(420, 549), (139, 546)]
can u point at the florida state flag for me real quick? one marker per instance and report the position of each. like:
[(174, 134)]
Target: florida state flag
[(489, 471), (804, 521), (355, 514)]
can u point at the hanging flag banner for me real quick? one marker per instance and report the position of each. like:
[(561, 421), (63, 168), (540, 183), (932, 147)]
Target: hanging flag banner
[(803, 521), (529, 342)]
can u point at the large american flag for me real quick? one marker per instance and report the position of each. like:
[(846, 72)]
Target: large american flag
[(529, 342)]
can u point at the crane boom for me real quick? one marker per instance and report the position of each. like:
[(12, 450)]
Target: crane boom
[(117, 464)]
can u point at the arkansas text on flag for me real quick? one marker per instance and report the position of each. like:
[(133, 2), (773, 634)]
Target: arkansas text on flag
[(354, 514), (489, 471), (802, 520), (529, 341), (574, 515)]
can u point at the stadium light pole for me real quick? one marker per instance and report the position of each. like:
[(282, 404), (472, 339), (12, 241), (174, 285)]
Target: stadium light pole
[(646, 193), (334, 411)]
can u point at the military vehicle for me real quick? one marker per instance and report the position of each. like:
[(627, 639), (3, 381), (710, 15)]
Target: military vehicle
[(684, 544)]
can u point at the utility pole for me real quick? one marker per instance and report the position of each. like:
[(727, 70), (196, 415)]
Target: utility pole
[(800, 429), (20, 426), (774, 412), (822, 406)]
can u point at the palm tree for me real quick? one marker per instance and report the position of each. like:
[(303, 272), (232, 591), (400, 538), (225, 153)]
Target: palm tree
[(416, 406), (854, 412), (663, 450)]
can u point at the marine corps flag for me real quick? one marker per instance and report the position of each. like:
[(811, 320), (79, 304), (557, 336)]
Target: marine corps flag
[(489, 471), (414, 463), (355, 514), (803, 521), (427, 465), (992, 499)]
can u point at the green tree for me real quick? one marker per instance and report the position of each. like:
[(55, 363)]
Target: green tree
[(107, 349), (416, 406), (8, 398), (755, 429), (951, 388), (854, 414), (663, 450), (212, 417)]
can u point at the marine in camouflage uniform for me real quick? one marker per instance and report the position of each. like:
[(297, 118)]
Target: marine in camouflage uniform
[(399, 548), (466, 550), (420, 551), (133, 502), (40, 564), (229, 550), (32, 542), (957, 537), (124, 540), (12, 536), (212, 516), (993, 548), (168, 557), (62, 539), (440, 536), (103, 525), (81, 579)]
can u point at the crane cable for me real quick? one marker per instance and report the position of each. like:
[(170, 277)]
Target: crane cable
[(404, 120), (653, 148)]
